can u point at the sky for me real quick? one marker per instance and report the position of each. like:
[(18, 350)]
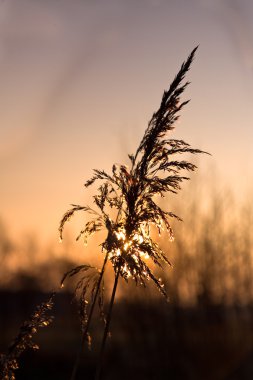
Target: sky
[(81, 79)]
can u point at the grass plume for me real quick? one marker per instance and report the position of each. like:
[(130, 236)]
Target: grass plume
[(125, 199)]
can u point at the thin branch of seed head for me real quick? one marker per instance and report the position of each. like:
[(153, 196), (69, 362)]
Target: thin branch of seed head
[(87, 326)]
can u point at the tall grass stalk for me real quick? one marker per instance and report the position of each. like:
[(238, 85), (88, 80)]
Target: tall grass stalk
[(106, 330), (129, 193)]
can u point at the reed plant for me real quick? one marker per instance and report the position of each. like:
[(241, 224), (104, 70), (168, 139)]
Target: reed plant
[(125, 206), (9, 362)]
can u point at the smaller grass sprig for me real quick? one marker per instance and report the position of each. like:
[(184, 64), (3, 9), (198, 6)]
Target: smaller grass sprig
[(89, 288), (24, 340)]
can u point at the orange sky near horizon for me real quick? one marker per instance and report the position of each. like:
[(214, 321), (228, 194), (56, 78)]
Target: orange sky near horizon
[(80, 80)]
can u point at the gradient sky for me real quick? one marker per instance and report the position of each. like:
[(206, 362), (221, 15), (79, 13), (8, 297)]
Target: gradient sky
[(80, 80)]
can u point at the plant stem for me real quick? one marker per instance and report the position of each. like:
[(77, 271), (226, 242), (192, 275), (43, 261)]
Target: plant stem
[(101, 354), (78, 356)]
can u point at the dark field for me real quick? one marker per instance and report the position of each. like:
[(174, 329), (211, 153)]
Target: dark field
[(204, 333), (150, 340)]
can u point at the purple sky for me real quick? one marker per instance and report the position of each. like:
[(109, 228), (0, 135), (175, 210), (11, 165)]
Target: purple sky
[(80, 80)]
